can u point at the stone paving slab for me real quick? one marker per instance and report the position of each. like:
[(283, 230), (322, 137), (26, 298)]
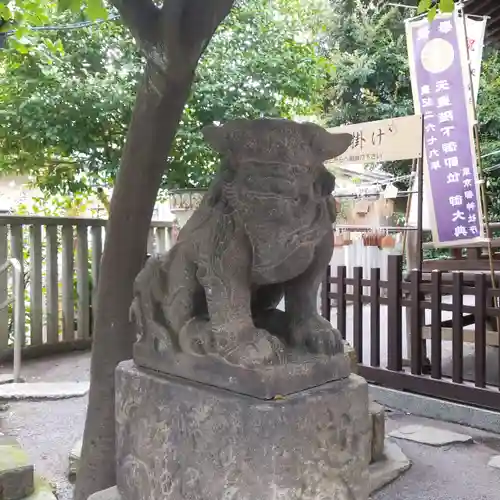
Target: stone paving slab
[(43, 390), (109, 494), (495, 462), (393, 463), (6, 378), (429, 435)]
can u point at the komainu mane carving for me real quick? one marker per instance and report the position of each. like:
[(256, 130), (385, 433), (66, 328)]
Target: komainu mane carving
[(262, 232)]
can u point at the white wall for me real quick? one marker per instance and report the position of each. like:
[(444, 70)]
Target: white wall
[(15, 190)]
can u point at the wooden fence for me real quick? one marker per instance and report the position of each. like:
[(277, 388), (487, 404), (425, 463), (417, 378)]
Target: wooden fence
[(60, 259), (375, 323)]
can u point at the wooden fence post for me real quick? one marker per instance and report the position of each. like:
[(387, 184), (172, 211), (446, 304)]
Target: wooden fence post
[(4, 313), (341, 301), (36, 285), (68, 292), (375, 317), (416, 324), (457, 328), (357, 327), (16, 242), (51, 283), (480, 330), (394, 316), (436, 333), (82, 276), (326, 308)]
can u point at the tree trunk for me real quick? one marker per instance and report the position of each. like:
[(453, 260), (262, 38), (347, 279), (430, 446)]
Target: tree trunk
[(173, 38), (159, 106)]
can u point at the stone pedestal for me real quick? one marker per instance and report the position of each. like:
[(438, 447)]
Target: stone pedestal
[(179, 440)]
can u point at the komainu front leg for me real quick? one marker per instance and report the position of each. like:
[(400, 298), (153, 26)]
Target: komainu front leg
[(224, 272), (233, 335), (307, 328)]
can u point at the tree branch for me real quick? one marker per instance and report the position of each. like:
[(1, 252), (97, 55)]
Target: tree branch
[(141, 17), (200, 20), (188, 26), (171, 14)]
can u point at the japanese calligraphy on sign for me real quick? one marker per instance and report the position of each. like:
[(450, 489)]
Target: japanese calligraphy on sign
[(382, 140), (440, 84)]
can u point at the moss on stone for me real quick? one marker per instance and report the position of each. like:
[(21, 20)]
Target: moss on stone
[(12, 457), (43, 490)]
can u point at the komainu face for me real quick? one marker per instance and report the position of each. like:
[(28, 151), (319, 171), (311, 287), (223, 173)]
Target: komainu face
[(275, 180)]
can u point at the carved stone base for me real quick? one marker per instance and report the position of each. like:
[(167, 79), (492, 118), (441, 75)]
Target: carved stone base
[(301, 371), (178, 439)]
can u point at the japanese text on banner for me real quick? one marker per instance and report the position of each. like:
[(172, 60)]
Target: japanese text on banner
[(450, 163)]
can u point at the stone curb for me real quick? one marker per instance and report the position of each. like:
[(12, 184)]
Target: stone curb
[(15, 467), (16, 471), (74, 458), (377, 416), (446, 411), (43, 490)]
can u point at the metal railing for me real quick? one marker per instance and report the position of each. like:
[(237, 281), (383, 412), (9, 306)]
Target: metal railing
[(17, 299)]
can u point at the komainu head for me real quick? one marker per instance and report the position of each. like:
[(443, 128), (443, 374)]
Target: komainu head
[(273, 169), (276, 140)]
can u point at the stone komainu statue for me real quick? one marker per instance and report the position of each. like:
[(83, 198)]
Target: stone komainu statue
[(262, 232)]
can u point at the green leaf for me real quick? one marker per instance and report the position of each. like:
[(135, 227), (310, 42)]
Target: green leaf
[(446, 5), (5, 12), (63, 5), (432, 13), (20, 45), (96, 10), (76, 6), (423, 6)]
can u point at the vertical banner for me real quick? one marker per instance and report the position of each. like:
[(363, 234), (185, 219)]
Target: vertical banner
[(476, 29), (441, 89)]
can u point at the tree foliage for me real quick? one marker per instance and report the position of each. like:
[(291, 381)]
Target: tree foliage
[(367, 45), (489, 120), (260, 63), (65, 103), (433, 6), (66, 99), (368, 48)]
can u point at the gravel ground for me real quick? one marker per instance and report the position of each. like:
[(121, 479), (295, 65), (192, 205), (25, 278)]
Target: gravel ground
[(48, 430), (455, 472)]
